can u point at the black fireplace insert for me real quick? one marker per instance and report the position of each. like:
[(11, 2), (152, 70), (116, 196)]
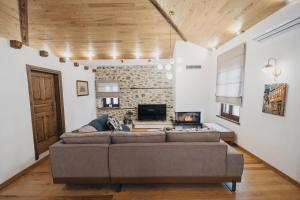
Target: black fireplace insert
[(188, 118)]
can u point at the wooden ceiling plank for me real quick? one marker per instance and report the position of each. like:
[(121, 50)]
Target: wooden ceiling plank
[(167, 18), (23, 17)]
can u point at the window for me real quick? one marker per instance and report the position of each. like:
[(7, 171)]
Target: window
[(107, 89), (109, 102), (230, 76), (230, 112)]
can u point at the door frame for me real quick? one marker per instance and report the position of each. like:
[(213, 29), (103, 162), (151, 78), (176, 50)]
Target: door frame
[(58, 98)]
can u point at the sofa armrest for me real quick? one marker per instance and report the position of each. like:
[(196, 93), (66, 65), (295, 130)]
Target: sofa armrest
[(79, 160), (235, 163)]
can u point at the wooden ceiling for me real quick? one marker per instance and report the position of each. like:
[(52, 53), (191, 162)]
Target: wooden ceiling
[(210, 23), (9, 19), (101, 28)]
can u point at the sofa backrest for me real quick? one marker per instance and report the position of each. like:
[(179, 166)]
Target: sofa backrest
[(182, 159), (121, 137), (193, 136), (87, 138)]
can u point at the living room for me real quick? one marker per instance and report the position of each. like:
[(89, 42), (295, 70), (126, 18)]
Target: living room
[(123, 99)]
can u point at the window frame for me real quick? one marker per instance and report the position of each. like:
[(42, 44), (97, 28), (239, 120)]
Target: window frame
[(230, 116)]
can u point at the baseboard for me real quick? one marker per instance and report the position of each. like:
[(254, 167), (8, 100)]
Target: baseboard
[(282, 174), (21, 173)]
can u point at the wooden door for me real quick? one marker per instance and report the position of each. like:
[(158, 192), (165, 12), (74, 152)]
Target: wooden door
[(44, 110)]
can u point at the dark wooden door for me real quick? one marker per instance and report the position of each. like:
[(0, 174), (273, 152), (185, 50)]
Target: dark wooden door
[(44, 108)]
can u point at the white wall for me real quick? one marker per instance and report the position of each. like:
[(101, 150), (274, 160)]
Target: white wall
[(273, 138), (16, 138), (192, 87)]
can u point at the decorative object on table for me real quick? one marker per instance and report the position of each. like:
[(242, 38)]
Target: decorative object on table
[(128, 117), (82, 88), (275, 98)]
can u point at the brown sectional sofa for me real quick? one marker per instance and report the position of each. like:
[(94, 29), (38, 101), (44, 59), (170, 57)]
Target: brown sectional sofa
[(149, 157)]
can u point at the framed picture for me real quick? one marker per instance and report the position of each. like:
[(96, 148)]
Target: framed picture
[(275, 99), (82, 88)]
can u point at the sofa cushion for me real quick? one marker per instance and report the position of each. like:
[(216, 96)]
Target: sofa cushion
[(87, 138), (193, 136), (120, 137), (100, 123), (114, 124)]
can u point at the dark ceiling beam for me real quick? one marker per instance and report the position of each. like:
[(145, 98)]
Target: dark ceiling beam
[(167, 18), (23, 16)]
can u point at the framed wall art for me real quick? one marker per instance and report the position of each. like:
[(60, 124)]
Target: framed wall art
[(275, 98), (82, 88)]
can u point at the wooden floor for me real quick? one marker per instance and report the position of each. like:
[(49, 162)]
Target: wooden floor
[(258, 183)]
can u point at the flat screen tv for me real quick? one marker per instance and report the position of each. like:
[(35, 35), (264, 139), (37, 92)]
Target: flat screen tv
[(152, 112)]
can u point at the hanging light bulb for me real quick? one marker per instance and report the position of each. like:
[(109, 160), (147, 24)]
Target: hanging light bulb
[(169, 75), (160, 66), (172, 61), (168, 67)]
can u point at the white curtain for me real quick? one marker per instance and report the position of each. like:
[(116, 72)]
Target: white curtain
[(230, 76), (107, 88)]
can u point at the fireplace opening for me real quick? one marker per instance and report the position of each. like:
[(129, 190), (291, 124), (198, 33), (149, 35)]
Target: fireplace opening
[(188, 118)]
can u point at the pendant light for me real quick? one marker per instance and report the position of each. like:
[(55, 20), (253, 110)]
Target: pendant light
[(160, 66), (171, 62)]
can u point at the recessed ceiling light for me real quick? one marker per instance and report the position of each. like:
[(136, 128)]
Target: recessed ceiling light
[(67, 53), (237, 26), (214, 43), (157, 54), (114, 55), (137, 54), (90, 55)]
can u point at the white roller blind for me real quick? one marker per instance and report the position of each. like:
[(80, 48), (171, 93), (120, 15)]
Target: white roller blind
[(230, 76), (107, 89)]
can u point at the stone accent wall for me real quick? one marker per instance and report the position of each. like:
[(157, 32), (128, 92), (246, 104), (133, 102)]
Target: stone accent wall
[(138, 85)]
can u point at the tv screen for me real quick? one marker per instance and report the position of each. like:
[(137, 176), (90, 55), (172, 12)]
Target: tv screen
[(152, 112)]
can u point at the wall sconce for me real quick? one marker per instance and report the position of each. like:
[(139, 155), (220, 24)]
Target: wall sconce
[(272, 67)]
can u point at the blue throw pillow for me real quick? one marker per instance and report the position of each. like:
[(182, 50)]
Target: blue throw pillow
[(100, 123)]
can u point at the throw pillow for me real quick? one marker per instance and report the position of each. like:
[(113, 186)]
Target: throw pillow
[(87, 129), (114, 124), (100, 123)]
